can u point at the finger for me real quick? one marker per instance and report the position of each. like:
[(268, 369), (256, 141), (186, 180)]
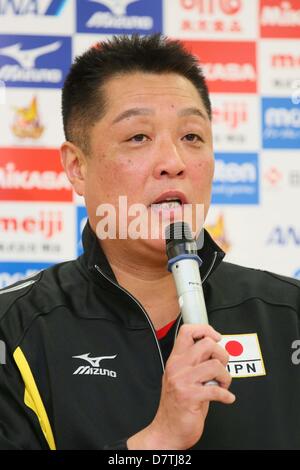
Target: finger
[(212, 370), (207, 348), (188, 334), (213, 393)]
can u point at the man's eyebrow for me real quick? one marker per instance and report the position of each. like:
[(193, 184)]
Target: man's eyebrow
[(191, 112), (133, 112)]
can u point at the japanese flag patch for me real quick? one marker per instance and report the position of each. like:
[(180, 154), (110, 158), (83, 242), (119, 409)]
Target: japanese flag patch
[(245, 355)]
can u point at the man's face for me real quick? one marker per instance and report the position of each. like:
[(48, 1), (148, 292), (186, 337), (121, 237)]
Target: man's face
[(153, 144)]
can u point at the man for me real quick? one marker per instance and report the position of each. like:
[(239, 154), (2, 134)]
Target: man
[(97, 357)]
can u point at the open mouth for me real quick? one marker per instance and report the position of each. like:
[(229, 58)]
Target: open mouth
[(167, 204)]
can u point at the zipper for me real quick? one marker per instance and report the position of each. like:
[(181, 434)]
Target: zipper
[(140, 306), (204, 279)]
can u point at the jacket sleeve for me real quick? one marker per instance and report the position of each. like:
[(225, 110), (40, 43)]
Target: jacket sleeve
[(19, 425)]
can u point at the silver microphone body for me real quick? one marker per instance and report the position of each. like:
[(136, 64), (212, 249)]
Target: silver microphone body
[(184, 263)]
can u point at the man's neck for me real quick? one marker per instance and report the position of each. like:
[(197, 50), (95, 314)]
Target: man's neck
[(152, 285)]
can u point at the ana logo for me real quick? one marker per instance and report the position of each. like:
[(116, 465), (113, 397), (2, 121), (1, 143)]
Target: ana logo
[(235, 179), (284, 236), (94, 367), (34, 60), (119, 16), (31, 7), (245, 355), (27, 122), (280, 19)]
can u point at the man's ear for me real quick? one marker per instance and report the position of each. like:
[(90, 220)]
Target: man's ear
[(74, 163)]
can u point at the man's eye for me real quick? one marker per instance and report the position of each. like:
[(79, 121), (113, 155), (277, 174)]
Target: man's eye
[(138, 138), (193, 138)]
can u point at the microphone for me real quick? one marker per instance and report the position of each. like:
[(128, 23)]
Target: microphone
[(184, 263)]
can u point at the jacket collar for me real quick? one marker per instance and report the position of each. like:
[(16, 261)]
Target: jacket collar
[(210, 254)]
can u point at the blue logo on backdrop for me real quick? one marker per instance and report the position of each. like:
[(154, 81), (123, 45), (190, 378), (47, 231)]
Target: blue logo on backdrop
[(281, 123), (284, 236), (81, 221), (34, 61), (31, 7), (236, 179), (119, 16), (297, 274), (14, 272)]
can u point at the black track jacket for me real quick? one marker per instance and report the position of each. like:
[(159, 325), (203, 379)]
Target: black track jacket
[(84, 368)]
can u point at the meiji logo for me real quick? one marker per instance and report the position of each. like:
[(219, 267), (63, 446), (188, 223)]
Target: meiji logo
[(280, 19), (285, 61), (94, 368), (31, 7), (245, 355), (33, 60), (236, 179), (46, 223), (231, 113), (212, 7), (33, 174), (117, 17), (230, 68), (235, 172)]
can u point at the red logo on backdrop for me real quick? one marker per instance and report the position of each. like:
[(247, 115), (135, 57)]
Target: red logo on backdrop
[(228, 66), (233, 114), (212, 7), (211, 15), (287, 61), (280, 19), (33, 174)]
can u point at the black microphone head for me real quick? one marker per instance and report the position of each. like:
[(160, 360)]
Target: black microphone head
[(178, 231), (179, 239)]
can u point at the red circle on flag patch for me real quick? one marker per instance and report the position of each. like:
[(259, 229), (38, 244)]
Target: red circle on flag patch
[(234, 348)]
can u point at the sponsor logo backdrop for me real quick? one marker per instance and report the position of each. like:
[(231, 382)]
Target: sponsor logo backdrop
[(250, 52)]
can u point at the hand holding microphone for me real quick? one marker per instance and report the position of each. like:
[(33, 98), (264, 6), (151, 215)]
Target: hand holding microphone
[(184, 401), (184, 263)]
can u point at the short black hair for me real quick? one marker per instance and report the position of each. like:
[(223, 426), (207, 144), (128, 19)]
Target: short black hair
[(83, 101)]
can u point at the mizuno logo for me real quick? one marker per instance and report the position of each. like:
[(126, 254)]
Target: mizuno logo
[(117, 7), (95, 368), (27, 58)]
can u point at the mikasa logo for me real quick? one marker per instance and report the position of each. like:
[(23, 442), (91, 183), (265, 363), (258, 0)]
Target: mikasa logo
[(95, 368)]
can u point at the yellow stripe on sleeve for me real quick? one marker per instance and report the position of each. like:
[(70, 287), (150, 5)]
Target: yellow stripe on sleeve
[(32, 397)]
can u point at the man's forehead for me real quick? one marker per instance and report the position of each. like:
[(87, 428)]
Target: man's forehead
[(142, 111)]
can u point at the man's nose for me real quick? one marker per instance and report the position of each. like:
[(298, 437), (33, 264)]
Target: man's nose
[(169, 162)]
